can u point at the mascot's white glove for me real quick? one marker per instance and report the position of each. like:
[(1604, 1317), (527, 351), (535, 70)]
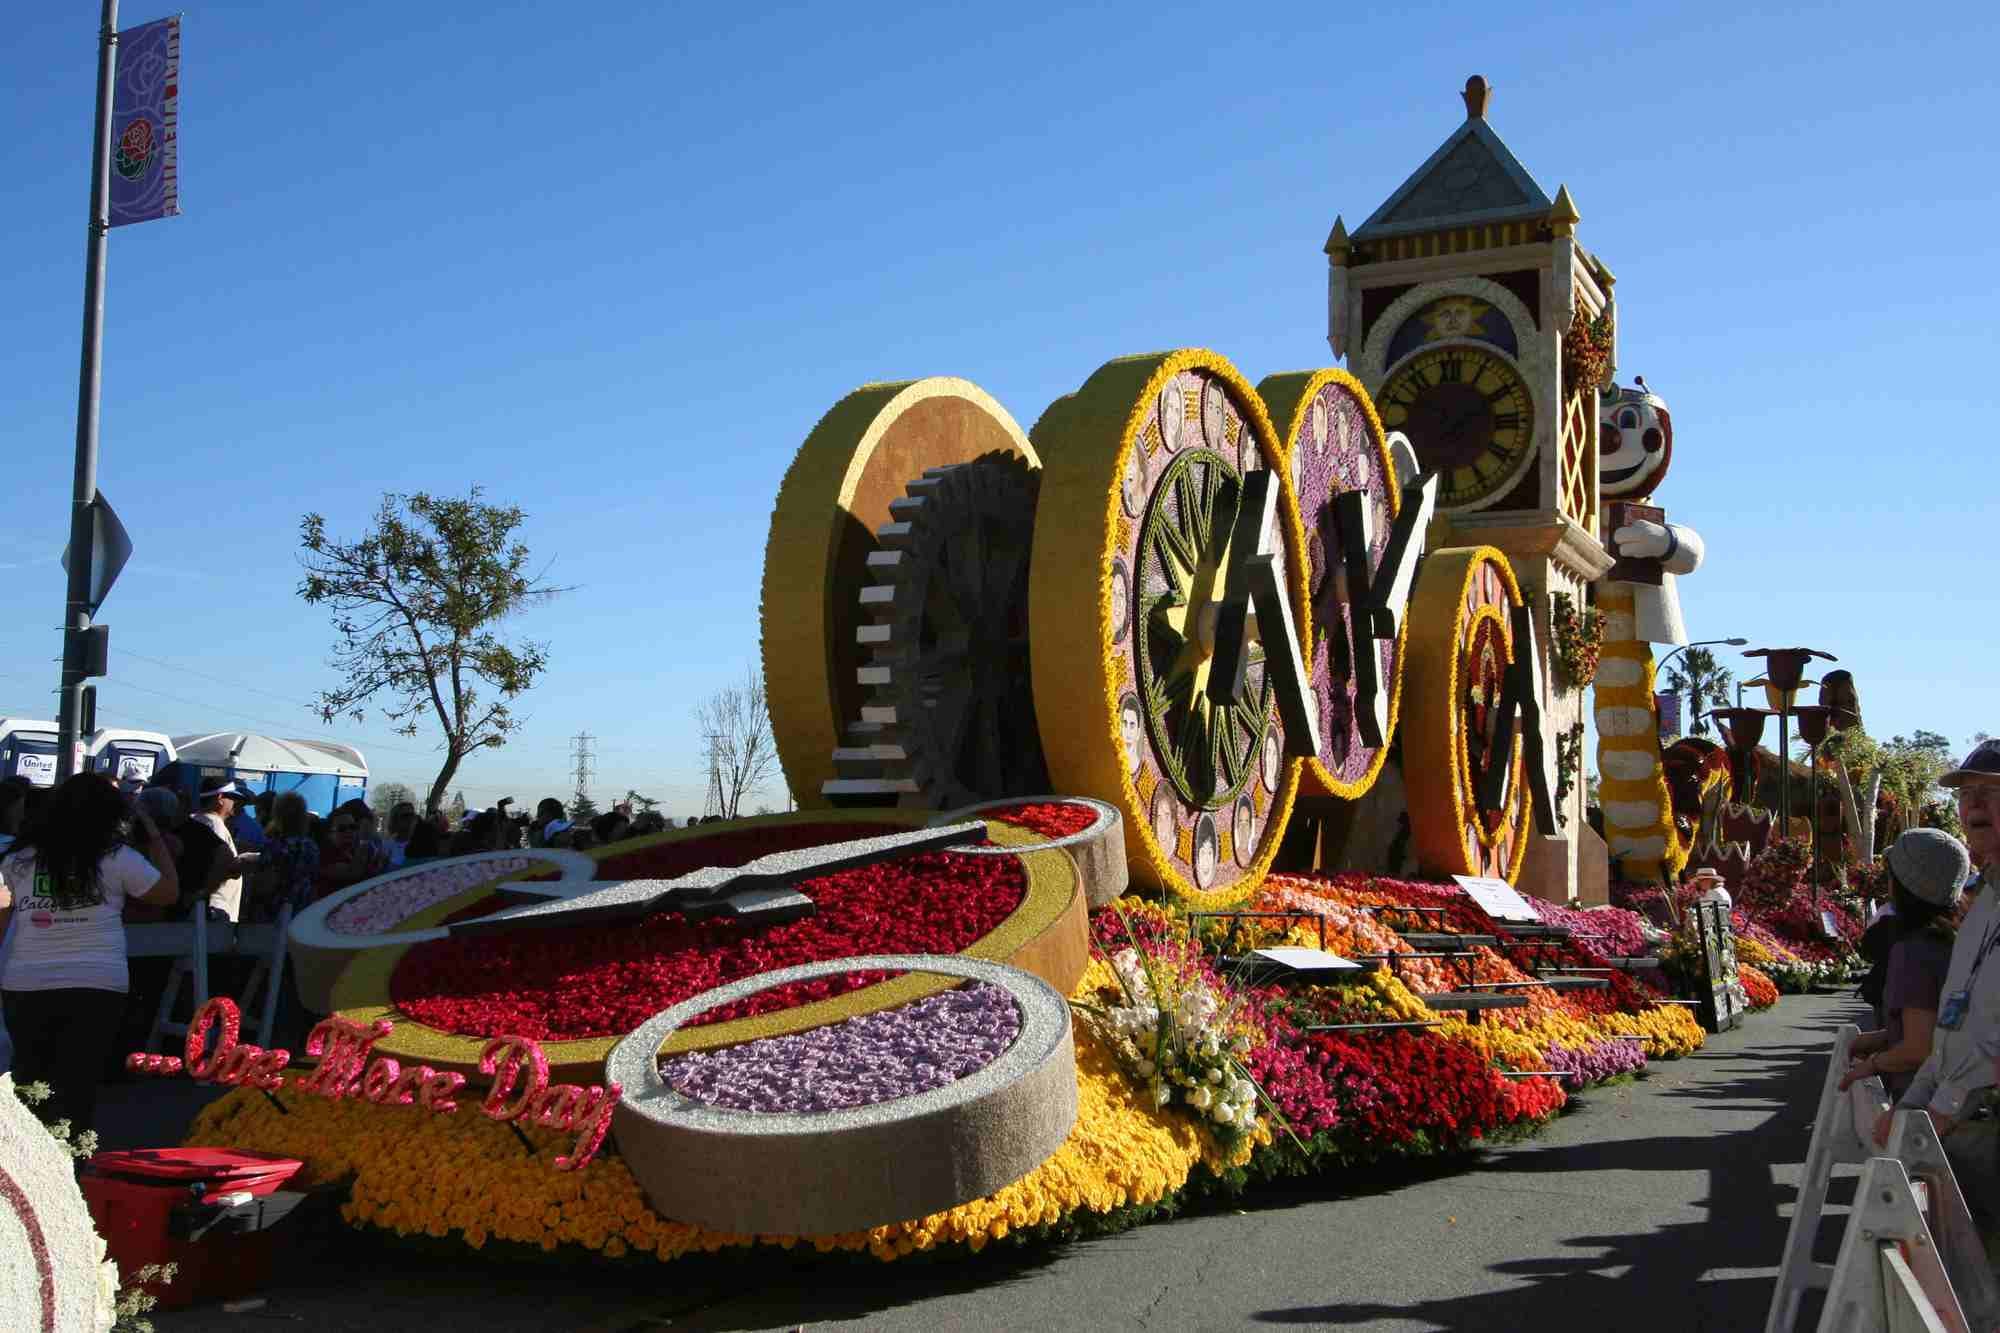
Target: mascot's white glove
[(1678, 549)]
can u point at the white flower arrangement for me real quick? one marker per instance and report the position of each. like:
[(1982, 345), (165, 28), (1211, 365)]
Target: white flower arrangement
[(1175, 1035)]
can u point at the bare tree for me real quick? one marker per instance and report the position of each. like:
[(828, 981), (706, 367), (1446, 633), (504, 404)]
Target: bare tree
[(736, 742)]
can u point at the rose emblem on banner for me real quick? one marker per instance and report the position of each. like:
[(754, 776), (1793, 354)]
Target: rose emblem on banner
[(136, 148)]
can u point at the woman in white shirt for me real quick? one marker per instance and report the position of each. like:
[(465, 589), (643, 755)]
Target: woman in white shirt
[(63, 986)]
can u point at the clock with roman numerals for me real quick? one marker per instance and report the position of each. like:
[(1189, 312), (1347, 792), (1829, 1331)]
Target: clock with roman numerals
[(1469, 417)]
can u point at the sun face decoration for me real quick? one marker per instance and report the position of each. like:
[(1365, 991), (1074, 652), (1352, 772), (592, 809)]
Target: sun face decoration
[(1635, 442)]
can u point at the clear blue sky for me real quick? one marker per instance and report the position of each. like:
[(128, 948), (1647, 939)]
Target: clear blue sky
[(614, 262)]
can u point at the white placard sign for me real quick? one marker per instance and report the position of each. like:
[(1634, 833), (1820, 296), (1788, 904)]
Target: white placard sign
[(36, 767), (138, 766), (1307, 960), (1497, 898)]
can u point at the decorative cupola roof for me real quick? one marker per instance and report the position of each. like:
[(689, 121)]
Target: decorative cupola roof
[(1472, 179)]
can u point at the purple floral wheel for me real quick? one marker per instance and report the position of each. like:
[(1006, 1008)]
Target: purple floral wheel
[(1333, 443), (816, 1172)]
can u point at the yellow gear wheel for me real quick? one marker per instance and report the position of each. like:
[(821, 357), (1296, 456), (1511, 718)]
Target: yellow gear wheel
[(1332, 441), (1460, 643), (835, 497), (1142, 476)]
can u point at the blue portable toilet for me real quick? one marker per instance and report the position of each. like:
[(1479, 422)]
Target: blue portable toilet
[(28, 750), (323, 772), (123, 752)]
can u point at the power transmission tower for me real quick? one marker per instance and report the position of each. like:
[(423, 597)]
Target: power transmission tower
[(581, 755)]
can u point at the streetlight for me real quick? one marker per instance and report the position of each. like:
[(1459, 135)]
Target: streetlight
[(1660, 671)]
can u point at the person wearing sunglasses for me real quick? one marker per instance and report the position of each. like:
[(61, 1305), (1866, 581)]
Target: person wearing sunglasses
[(347, 858)]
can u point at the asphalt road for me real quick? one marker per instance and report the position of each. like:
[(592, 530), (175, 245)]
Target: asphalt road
[(1654, 1205)]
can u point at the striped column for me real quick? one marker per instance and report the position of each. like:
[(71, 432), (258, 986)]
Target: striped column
[(1638, 809)]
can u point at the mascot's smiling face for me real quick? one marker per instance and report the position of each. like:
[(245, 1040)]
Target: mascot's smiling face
[(1635, 442)]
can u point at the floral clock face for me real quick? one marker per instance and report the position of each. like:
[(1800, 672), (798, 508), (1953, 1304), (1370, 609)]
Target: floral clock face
[(1469, 416), (577, 982), (1469, 815), (1334, 445), (1202, 764), (1200, 754)]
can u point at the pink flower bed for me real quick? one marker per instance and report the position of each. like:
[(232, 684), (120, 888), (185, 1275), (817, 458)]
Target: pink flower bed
[(387, 906)]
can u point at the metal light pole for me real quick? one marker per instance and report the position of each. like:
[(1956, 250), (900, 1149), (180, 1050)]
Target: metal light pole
[(1812, 730), (1694, 705), (1785, 669), (76, 617)]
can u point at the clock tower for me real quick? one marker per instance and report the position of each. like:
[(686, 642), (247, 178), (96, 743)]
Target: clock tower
[(1484, 330)]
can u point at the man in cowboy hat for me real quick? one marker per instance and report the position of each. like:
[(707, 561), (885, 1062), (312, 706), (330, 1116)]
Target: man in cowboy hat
[(1956, 1083)]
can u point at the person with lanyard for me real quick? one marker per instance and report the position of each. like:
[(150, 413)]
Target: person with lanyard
[(1955, 1083)]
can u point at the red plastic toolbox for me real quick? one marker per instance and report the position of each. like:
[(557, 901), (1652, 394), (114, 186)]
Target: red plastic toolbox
[(148, 1202)]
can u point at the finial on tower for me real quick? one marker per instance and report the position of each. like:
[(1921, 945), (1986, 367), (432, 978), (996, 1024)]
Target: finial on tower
[(1563, 216), (1336, 241), (1478, 96)]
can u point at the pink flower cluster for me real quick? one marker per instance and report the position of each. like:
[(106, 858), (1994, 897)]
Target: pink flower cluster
[(400, 897), (861, 1062), (1596, 1061), (1613, 932)]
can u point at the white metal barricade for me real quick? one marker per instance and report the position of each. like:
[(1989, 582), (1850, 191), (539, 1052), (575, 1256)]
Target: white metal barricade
[(1911, 1256), (191, 944)]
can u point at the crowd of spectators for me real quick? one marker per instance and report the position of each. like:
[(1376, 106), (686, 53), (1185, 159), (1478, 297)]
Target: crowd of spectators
[(80, 861)]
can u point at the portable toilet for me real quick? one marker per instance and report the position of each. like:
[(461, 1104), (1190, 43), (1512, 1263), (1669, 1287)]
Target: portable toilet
[(122, 752), (28, 750), (349, 768), (324, 773)]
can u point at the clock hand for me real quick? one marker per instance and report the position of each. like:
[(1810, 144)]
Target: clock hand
[(1252, 580), (761, 884)]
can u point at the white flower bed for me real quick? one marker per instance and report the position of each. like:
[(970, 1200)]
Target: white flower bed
[(53, 1273)]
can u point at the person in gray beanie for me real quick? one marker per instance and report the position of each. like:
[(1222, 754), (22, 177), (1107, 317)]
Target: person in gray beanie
[(1926, 867)]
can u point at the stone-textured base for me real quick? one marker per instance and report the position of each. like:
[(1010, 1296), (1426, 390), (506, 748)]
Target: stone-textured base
[(786, 1173), (1098, 851), (1545, 874), (1593, 869)]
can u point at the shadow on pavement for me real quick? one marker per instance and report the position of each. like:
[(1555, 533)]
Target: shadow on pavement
[(1654, 1280)]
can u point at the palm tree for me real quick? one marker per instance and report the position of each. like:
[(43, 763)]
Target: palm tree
[(1704, 683)]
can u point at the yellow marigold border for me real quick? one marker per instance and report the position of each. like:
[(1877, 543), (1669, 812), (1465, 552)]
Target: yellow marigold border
[(1286, 396), (807, 522), (1086, 439), (465, 1174), (1047, 935), (1430, 727)]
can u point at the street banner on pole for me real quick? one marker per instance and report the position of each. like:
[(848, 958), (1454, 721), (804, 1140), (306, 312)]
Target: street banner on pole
[(1669, 703), (145, 124)]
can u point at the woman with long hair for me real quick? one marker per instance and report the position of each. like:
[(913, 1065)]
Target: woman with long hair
[(63, 989), (1927, 868)]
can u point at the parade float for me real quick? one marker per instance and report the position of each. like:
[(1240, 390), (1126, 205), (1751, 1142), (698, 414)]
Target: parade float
[(1168, 771)]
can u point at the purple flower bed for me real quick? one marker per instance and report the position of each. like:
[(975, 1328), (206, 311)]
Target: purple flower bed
[(1596, 1062), (863, 1061)]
